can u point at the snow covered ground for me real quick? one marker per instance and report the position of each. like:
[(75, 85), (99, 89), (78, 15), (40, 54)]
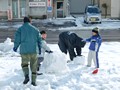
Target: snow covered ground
[(61, 75), (106, 23)]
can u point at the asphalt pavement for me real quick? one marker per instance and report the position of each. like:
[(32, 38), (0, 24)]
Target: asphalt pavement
[(106, 34)]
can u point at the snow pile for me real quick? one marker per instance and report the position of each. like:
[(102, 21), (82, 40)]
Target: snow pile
[(79, 77), (80, 60), (79, 22), (6, 49), (6, 46), (55, 63), (69, 17), (62, 21)]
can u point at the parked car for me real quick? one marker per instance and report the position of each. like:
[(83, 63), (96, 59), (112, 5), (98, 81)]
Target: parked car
[(92, 14)]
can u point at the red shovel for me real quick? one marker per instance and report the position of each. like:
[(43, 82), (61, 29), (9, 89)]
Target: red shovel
[(95, 71)]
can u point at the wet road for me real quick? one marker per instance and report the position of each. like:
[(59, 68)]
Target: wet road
[(107, 35)]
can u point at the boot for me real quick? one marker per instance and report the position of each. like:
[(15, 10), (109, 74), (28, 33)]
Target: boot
[(34, 84), (26, 79)]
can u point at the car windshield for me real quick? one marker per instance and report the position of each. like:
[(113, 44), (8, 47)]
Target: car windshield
[(93, 10)]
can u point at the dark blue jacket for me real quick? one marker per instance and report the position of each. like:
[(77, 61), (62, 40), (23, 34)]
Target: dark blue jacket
[(95, 42), (71, 40)]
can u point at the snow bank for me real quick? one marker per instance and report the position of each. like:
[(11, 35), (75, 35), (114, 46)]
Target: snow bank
[(55, 63), (106, 24)]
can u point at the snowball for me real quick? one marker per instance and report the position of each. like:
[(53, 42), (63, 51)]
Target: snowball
[(55, 63), (79, 60), (6, 46)]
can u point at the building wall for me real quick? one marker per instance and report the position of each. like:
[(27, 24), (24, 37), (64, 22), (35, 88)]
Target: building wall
[(75, 6), (38, 11), (3, 5), (115, 8), (78, 6), (65, 8), (108, 3), (3, 8)]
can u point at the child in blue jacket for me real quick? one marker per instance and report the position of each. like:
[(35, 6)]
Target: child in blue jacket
[(95, 43)]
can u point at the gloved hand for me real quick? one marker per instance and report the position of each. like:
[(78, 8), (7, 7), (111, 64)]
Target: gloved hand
[(15, 49), (49, 51)]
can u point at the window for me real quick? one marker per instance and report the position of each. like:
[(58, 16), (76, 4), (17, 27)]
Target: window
[(59, 5)]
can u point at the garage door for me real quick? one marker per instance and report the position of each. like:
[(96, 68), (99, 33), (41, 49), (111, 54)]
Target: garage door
[(78, 6)]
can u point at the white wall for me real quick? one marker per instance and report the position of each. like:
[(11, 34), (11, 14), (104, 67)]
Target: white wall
[(108, 2), (3, 8), (38, 11), (3, 5), (115, 8)]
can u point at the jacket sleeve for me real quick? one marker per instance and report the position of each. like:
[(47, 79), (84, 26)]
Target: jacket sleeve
[(17, 40), (45, 46), (88, 40)]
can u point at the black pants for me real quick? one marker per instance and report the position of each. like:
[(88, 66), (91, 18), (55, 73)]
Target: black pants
[(40, 59), (64, 48), (78, 51), (72, 53), (62, 45), (65, 45)]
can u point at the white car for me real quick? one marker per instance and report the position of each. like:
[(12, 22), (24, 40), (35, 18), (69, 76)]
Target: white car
[(92, 14)]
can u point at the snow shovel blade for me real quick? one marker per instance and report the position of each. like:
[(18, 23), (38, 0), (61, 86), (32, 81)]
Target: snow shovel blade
[(95, 71)]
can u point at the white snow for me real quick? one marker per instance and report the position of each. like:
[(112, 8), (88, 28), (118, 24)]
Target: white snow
[(75, 77), (55, 63), (106, 23), (79, 60), (4, 46)]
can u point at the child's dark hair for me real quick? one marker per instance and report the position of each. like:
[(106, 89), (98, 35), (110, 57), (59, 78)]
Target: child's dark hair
[(43, 32)]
